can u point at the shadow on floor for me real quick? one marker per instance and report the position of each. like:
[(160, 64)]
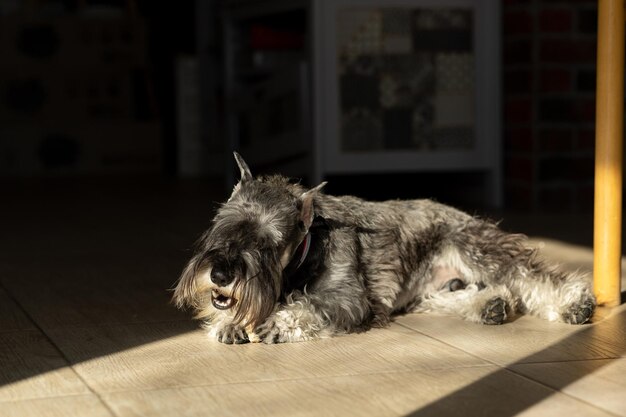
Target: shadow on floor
[(92, 254), (469, 401)]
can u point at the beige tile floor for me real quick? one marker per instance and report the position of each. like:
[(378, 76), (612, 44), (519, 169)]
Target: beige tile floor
[(86, 329)]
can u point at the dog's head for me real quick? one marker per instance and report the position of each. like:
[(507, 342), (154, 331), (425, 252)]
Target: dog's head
[(238, 266)]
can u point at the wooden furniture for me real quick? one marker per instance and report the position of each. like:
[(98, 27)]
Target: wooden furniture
[(609, 139)]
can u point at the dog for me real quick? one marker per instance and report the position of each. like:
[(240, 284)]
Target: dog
[(281, 263)]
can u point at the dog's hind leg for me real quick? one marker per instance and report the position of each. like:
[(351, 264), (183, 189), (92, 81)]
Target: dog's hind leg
[(483, 253), (531, 288), (455, 286), (554, 295), (486, 305)]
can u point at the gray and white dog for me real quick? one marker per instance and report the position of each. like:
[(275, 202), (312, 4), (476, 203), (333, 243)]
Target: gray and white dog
[(281, 263)]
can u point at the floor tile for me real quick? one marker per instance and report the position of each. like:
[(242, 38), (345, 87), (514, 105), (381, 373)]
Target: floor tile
[(12, 317), (162, 358), (90, 290), (611, 329), (526, 339), (30, 367), (599, 382), (448, 392), (80, 405)]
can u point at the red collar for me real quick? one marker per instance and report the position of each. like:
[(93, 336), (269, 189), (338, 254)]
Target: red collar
[(303, 250)]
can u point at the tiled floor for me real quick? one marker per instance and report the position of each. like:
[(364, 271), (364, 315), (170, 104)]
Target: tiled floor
[(86, 329)]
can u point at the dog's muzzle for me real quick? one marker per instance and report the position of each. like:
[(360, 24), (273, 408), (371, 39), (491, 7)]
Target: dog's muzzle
[(222, 301), (219, 298)]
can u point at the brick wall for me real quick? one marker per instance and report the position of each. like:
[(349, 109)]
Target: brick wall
[(549, 56)]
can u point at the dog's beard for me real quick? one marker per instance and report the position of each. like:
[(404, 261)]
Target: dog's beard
[(254, 304), (258, 293), (250, 299)]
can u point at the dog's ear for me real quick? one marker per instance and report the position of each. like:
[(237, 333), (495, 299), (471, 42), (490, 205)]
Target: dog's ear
[(306, 211), (246, 175)]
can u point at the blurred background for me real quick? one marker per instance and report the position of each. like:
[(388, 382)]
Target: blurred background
[(487, 105)]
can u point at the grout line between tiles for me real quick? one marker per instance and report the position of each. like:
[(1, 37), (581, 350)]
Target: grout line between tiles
[(261, 381), (451, 345), (294, 379), (565, 361), (48, 397), (508, 368), (528, 378), (55, 347), (495, 367), (13, 331), (518, 362), (125, 323)]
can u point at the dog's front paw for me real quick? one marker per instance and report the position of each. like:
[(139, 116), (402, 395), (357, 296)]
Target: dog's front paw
[(495, 311), (230, 334), (269, 332), (581, 311)]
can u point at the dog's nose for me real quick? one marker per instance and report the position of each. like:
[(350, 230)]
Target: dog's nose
[(219, 277)]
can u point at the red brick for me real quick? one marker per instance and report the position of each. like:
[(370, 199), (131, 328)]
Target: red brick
[(568, 50), (517, 52), (565, 168), (519, 168), (585, 109), (555, 80), (517, 81), (556, 199), (587, 21), (518, 139), (584, 197), (559, 109), (566, 108), (518, 110), (585, 139), (551, 140), (559, 2), (554, 168), (555, 20), (582, 168), (518, 196), (517, 22)]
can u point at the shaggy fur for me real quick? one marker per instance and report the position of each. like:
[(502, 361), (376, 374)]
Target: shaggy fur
[(367, 261)]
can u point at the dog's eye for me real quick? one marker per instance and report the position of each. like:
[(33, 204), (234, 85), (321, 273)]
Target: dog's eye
[(301, 225)]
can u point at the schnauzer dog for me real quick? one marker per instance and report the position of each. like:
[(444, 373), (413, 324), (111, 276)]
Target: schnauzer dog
[(281, 263)]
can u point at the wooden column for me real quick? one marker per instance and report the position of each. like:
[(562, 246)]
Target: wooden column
[(609, 131)]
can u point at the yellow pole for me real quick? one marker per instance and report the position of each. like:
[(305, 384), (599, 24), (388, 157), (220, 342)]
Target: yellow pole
[(608, 177)]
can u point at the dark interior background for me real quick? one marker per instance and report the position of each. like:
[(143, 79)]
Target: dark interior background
[(89, 91)]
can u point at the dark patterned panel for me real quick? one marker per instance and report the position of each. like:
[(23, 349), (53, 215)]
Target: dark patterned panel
[(406, 79)]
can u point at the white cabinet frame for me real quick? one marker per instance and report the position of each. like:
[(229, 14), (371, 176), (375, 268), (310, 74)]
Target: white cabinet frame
[(486, 153)]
